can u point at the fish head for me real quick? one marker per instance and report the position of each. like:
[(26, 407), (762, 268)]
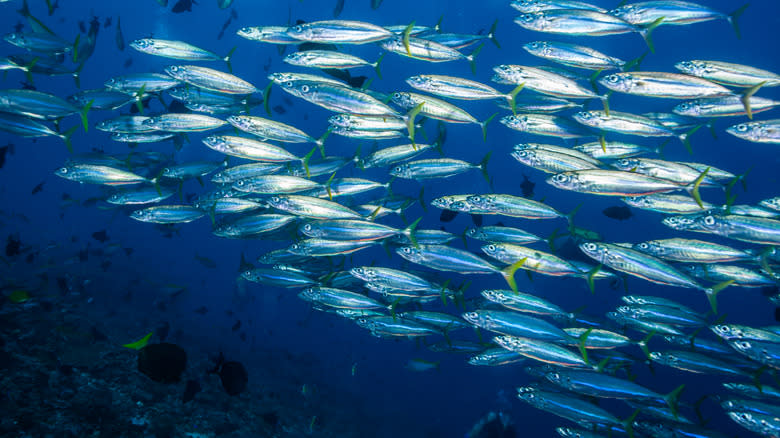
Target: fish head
[(419, 81), (460, 206), (473, 318), (518, 123), (249, 275), (597, 252), (526, 5), (533, 20), (311, 230), (14, 38), (410, 253), (116, 198), (496, 296), (568, 432), (402, 171), (693, 68), (298, 248), (495, 250), (727, 331), (528, 394), (748, 131), (309, 294), (527, 157), (143, 214), (66, 172), (280, 78), (538, 48), (643, 202), (303, 32), (341, 120), (300, 88), (709, 222), (556, 378), (403, 99), (649, 248), (627, 164), (742, 345), (690, 109), (475, 233), (176, 71), (566, 181), (250, 32), (363, 273), (279, 202), (588, 118), (298, 58), (746, 420), (216, 142), (622, 82), (144, 45), (226, 230), (661, 357), (628, 13)]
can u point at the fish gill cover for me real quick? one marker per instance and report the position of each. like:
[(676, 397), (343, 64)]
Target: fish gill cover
[(422, 219)]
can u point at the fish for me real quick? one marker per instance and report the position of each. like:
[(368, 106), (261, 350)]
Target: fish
[(616, 212), (182, 6), (119, 39)]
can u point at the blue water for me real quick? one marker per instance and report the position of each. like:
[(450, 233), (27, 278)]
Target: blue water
[(363, 373)]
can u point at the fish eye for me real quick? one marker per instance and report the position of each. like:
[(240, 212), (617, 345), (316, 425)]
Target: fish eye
[(63, 170), (305, 88), (396, 95), (397, 169), (644, 245), (407, 250), (298, 28), (247, 273), (560, 178), (590, 246), (289, 84), (742, 127), (491, 248), (307, 227), (613, 79), (174, 68), (623, 162), (709, 220), (275, 199), (240, 183), (684, 106)]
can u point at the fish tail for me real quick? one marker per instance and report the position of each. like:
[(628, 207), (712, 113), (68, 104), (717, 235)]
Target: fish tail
[(228, 59), (422, 199), (405, 38), (410, 116), (685, 137), (484, 124), (512, 97), (628, 423), (733, 18), (76, 48), (327, 186), (605, 101), (139, 99), (509, 273), (141, 343), (635, 63), (376, 65), (745, 98), (443, 292), (693, 188), (592, 79), (483, 166), (66, 138), (243, 265), (28, 70), (320, 142), (409, 232), (647, 31), (581, 345), (712, 294), (591, 276), (473, 56), (77, 75), (266, 97), (437, 27), (643, 344), (84, 112), (492, 34), (24, 10)]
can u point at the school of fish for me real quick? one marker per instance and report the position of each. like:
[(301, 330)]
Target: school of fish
[(278, 181)]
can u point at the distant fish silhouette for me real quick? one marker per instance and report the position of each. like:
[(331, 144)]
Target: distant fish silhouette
[(527, 186), (37, 189), (620, 213), (101, 236), (183, 6)]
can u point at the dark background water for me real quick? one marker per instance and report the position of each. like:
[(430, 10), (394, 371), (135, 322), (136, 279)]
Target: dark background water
[(446, 401)]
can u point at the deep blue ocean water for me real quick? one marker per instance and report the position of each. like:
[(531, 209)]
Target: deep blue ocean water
[(443, 402)]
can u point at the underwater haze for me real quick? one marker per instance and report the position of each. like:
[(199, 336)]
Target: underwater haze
[(337, 288)]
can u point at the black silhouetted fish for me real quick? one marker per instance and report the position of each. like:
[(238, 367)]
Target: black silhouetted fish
[(101, 236), (620, 213), (37, 189), (183, 6), (527, 186)]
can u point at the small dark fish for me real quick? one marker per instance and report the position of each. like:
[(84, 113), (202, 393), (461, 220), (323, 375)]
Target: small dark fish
[(107, 22), (101, 236), (163, 330), (175, 106), (447, 215), (232, 374), (477, 219), (94, 26), (205, 261), (527, 186), (27, 86), (620, 213), (339, 7), (202, 310), (13, 246), (83, 255), (236, 326), (128, 62), (183, 6), (82, 26), (192, 388), (18, 27), (224, 27), (278, 109), (120, 39), (38, 188), (52, 6), (267, 65), (4, 150)]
